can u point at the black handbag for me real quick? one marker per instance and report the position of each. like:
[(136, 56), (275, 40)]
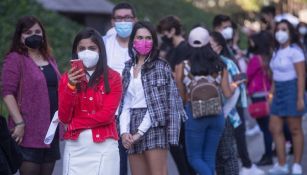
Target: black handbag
[(9, 147)]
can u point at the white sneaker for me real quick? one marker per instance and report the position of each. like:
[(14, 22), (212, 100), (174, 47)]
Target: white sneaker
[(279, 170), (253, 170), (253, 131), (297, 169), (288, 147)]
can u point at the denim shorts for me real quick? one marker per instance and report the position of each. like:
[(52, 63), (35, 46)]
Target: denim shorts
[(285, 99)]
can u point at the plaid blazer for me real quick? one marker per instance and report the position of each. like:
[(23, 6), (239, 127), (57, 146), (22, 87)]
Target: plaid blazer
[(164, 104)]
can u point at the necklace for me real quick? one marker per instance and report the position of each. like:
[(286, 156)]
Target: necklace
[(137, 67)]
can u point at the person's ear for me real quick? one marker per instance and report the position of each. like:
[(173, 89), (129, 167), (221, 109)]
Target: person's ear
[(112, 22), (173, 31), (219, 49), (252, 43)]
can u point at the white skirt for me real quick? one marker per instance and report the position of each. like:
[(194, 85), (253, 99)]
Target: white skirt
[(85, 157)]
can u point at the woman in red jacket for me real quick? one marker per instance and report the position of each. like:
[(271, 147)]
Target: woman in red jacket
[(88, 100)]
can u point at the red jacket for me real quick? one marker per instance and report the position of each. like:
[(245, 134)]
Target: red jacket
[(90, 109)]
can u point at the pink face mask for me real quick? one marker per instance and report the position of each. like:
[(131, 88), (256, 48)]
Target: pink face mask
[(142, 47)]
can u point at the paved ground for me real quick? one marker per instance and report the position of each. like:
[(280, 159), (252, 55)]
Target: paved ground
[(255, 145)]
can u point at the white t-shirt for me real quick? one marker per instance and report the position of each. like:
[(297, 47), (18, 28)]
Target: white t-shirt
[(116, 54), (283, 60)]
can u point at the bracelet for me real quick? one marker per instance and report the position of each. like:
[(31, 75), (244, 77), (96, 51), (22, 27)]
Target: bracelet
[(72, 87), (140, 132), (20, 123)]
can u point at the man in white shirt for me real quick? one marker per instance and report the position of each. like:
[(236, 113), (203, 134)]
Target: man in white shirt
[(116, 43)]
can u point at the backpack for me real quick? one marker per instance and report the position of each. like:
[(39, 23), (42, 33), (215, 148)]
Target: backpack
[(205, 95)]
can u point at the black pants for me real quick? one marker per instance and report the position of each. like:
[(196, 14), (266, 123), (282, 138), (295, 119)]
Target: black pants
[(264, 126), (241, 140), (123, 156), (226, 156)]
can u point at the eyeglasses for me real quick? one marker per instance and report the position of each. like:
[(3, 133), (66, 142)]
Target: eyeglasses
[(123, 18)]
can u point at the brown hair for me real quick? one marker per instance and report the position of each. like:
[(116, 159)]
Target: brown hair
[(169, 22), (25, 23)]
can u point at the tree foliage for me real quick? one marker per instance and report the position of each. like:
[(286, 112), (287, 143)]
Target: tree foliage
[(60, 31), (157, 9)]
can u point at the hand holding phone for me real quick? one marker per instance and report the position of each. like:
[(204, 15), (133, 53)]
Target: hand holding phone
[(238, 82), (77, 64), (240, 77), (76, 74)]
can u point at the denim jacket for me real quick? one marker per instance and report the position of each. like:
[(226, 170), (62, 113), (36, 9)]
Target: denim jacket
[(164, 104)]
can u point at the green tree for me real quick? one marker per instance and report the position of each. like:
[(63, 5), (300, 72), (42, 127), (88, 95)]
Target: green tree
[(60, 30), (157, 9)]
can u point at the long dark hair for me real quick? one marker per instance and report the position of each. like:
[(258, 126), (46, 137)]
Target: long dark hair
[(204, 61), (263, 46), (101, 67), (23, 24), (154, 52), (262, 43), (293, 35), (220, 40)]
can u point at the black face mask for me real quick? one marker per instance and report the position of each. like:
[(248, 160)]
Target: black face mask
[(34, 41), (167, 41)]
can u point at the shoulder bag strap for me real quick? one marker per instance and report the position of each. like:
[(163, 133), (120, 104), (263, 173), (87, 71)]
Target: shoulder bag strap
[(187, 63)]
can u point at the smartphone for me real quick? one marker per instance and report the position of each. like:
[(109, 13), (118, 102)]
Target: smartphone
[(240, 77), (77, 63)]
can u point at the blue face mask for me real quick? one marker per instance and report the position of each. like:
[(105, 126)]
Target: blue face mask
[(123, 29)]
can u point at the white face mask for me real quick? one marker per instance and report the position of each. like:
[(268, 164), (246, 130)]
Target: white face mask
[(89, 58), (302, 30), (227, 33), (282, 36)]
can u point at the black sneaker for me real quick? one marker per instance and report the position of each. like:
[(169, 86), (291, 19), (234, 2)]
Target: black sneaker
[(265, 160)]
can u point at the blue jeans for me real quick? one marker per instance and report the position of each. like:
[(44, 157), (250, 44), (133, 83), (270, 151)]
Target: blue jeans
[(202, 137)]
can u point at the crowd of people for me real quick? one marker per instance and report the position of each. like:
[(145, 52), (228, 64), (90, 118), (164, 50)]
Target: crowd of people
[(143, 91)]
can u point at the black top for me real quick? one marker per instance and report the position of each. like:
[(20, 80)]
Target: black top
[(52, 84), (177, 54)]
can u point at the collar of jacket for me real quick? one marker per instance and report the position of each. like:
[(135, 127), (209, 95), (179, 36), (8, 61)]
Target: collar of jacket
[(147, 65)]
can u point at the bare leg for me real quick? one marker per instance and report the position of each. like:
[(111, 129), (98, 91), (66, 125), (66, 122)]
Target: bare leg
[(295, 126), (157, 161), (276, 128), (138, 164)]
